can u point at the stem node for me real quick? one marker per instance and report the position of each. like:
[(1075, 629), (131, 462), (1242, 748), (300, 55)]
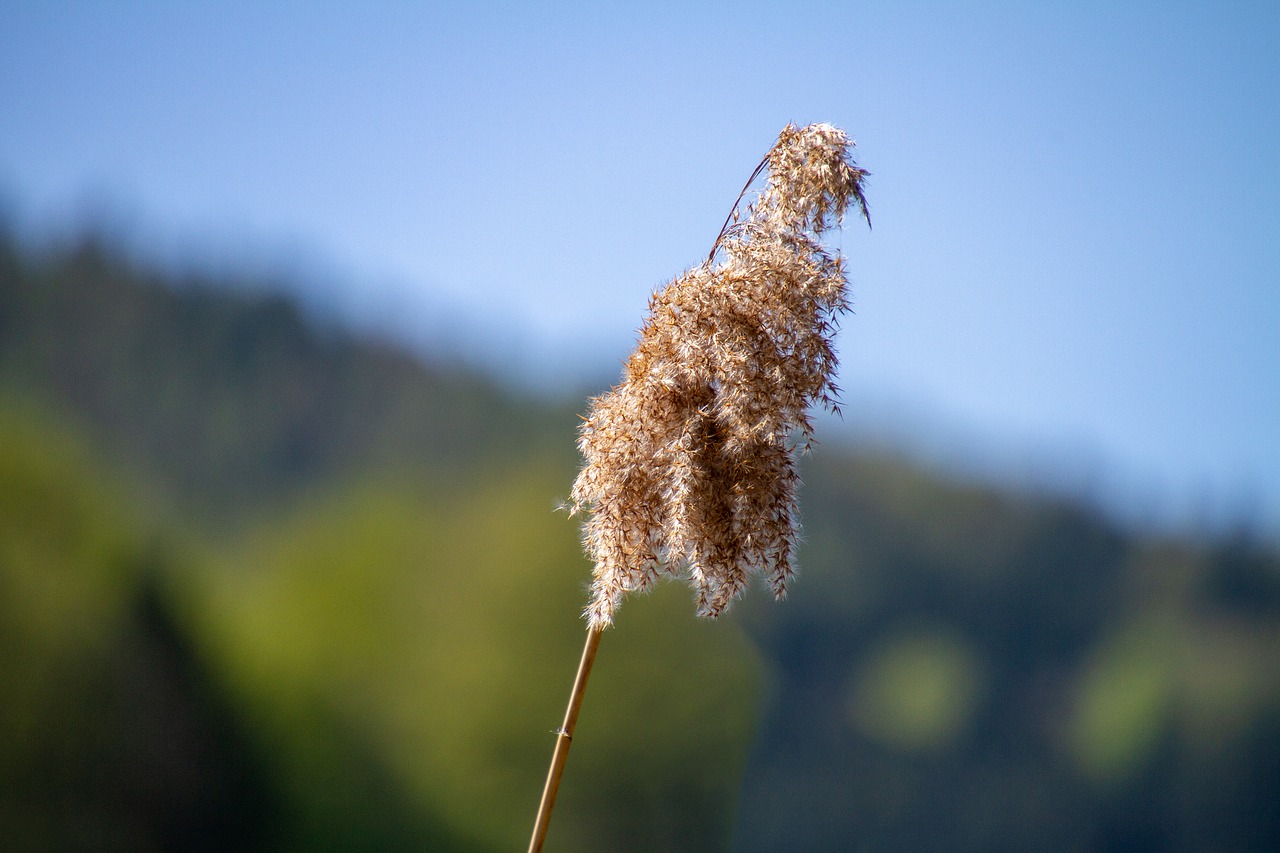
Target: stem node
[(564, 738)]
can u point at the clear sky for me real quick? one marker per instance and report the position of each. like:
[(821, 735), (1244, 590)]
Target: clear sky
[(1075, 266)]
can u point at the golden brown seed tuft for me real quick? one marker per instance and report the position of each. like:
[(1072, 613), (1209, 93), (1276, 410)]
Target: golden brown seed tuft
[(689, 463)]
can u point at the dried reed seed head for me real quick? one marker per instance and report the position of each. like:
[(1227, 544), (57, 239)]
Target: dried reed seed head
[(689, 465)]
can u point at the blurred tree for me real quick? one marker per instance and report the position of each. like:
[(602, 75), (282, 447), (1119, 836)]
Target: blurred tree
[(436, 629), (965, 670), (112, 734), (353, 634)]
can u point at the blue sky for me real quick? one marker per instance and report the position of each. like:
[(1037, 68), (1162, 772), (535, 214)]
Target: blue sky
[(1075, 267)]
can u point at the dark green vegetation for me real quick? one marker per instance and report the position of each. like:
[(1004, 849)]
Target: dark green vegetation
[(268, 586)]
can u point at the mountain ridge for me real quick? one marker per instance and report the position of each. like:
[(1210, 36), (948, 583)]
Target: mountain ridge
[(358, 550)]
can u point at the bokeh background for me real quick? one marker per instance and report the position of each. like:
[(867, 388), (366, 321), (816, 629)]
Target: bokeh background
[(299, 303)]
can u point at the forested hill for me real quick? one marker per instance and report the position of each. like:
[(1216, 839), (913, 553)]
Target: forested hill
[(268, 585), (225, 396)]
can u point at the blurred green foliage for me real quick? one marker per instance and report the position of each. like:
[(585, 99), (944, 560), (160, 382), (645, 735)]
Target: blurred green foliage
[(444, 631), (961, 669), (267, 585), (916, 691), (113, 734)]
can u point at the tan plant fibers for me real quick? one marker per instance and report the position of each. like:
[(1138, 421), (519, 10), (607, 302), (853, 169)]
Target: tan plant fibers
[(689, 462)]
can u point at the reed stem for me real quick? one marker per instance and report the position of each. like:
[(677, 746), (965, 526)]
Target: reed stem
[(564, 738)]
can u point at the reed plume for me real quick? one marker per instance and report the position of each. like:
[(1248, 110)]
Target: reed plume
[(689, 462)]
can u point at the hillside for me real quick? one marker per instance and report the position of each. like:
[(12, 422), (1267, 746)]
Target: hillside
[(265, 584), (227, 399)]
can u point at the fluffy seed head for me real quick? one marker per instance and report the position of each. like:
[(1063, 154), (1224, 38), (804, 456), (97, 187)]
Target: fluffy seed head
[(689, 463)]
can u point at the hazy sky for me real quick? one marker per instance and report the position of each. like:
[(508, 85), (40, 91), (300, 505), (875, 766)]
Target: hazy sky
[(1076, 256)]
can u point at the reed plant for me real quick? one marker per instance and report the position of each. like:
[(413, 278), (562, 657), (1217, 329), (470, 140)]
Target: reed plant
[(690, 461)]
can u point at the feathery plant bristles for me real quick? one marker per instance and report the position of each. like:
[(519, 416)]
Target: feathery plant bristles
[(689, 463)]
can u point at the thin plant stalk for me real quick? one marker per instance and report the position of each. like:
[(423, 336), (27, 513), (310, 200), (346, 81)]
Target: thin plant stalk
[(564, 738), (689, 465)]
